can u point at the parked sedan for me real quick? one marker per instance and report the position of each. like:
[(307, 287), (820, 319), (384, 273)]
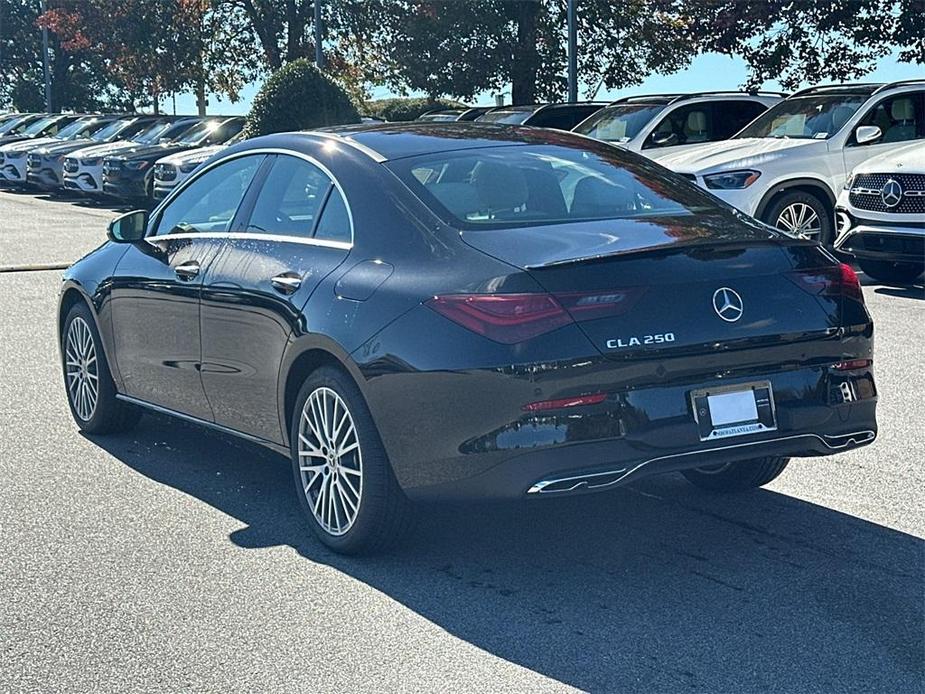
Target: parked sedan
[(429, 311), (129, 175)]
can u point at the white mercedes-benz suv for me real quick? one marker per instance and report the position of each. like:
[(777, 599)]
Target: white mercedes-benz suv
[(787, 166), (657, 125), (880, 215)]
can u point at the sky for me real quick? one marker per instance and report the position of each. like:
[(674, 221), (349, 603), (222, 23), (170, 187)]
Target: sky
[(708, 72)]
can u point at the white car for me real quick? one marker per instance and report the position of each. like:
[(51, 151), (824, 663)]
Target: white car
[(13, 157), (657, 125), (786, 167), (880, 215), (83, 169), (173, 169)]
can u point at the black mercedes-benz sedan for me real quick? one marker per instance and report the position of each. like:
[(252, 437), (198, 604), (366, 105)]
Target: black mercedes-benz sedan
[(470, 311)]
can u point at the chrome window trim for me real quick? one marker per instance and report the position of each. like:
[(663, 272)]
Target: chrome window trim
[(252, 236), (182, 185)]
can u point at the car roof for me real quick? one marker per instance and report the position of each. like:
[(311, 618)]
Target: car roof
[(385, 141)]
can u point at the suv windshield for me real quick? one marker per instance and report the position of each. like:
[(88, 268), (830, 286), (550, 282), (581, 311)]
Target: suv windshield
[(198, 133), (508, 116), (504, 187), (805, 117), (39, 125), (619, 123), (108, 130)]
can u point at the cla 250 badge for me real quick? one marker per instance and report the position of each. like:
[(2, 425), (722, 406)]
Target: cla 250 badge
[(658, 339)]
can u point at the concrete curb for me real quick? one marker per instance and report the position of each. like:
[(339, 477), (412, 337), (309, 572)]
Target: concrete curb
[(34, 267)]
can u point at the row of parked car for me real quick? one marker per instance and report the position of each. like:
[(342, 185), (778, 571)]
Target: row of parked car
[(844, 164), (131, 157)]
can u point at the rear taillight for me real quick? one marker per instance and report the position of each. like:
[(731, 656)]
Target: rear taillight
[(505, 318), (604, 304), (562, 403), (833, 280)]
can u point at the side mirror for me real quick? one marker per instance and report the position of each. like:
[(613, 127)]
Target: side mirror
[(129, 228), (867, 133), (664, 139)]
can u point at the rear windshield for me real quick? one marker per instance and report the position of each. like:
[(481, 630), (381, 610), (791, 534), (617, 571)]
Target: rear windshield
[(619, 123), (529, 185), (508, 117)]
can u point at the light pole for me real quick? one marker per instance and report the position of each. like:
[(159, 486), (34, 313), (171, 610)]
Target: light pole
[(319, 36), (45, 64), (572, 53)]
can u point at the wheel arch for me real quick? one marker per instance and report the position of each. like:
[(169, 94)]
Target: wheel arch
[(813, 186), (301, 360)]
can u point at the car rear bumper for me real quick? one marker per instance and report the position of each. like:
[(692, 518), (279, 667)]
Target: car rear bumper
[(485, 446)]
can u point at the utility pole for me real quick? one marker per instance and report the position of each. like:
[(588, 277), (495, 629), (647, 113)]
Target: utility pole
[(48, 103), (319, 36), (572, 53)]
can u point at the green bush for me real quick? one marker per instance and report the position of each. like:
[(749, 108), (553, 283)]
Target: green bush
[(406, 109), (298, 96)]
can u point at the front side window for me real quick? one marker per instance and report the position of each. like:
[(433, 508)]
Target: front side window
[(290, 198), (805, 117), (210, 202), (619, 123), (686, 125), (900, 118), (503, 187)]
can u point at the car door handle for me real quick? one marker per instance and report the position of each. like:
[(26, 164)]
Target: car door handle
[(187, 270), (286, 282)]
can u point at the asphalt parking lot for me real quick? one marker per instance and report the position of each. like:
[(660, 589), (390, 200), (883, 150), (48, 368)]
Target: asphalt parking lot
[(170, 559)]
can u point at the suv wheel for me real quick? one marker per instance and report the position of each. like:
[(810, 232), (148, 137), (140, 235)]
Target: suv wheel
[(736, 477), (343, 477), (91, 393), (801, 213), (891, 273)]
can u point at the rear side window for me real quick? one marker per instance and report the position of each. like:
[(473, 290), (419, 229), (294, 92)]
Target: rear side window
[(290, 198), (503, 187), (900, 118), (210, 202), (334, 223), (732, 116)]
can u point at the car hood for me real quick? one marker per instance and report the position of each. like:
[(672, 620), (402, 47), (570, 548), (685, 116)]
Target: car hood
[(153, 151), (908, 159), (738, 153), (104, 150), (198, 154), (29, 144), (56, 149)]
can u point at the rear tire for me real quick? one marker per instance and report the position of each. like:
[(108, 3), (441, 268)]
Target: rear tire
[(892, 273), (804, 213), (736, 477), (343, 477), (91, 392)]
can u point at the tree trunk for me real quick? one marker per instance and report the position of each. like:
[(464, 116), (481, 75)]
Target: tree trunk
[(526, 61)]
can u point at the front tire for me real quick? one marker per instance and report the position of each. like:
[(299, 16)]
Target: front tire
[(737, 477), (91, 392), (801, 213), (892, 273), (344, 480)]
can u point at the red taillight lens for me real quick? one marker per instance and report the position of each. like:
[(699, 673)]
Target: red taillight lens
[(833, 280), (852, 364), (577, 401), (505, 318), (591, 305)]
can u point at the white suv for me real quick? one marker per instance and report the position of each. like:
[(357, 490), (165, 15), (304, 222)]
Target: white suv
[(657, 125), (786, 167), (881, 215)]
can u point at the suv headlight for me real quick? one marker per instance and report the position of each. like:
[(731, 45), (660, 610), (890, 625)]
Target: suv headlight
[(849, 181), (136, 165), (15, 154), (188, 166), (731, 180)]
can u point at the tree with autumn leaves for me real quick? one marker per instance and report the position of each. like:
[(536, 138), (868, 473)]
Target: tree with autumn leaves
[(132, 53)]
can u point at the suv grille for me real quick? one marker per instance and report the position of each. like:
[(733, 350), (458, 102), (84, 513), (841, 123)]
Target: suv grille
[(33, 161), (867, 193), (165, 172), (71, 165)]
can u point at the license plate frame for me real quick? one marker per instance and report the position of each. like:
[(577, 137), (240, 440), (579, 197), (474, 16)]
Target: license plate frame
[(730, 411)]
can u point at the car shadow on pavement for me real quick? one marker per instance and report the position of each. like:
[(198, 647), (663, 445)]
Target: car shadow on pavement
[(654, 587)]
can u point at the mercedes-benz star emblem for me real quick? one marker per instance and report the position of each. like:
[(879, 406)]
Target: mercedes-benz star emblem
[(891, 193), (728, 304)]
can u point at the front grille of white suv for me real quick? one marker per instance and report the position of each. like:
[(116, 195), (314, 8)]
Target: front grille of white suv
[(867, 193)]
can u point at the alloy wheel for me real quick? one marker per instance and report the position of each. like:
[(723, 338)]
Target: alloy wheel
[(82, 369), (330, 461), (800, 218)]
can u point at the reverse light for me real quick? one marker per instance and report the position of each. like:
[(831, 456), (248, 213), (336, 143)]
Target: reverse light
[(561, 403), (852, 364), (731, 180), (833, 280)]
